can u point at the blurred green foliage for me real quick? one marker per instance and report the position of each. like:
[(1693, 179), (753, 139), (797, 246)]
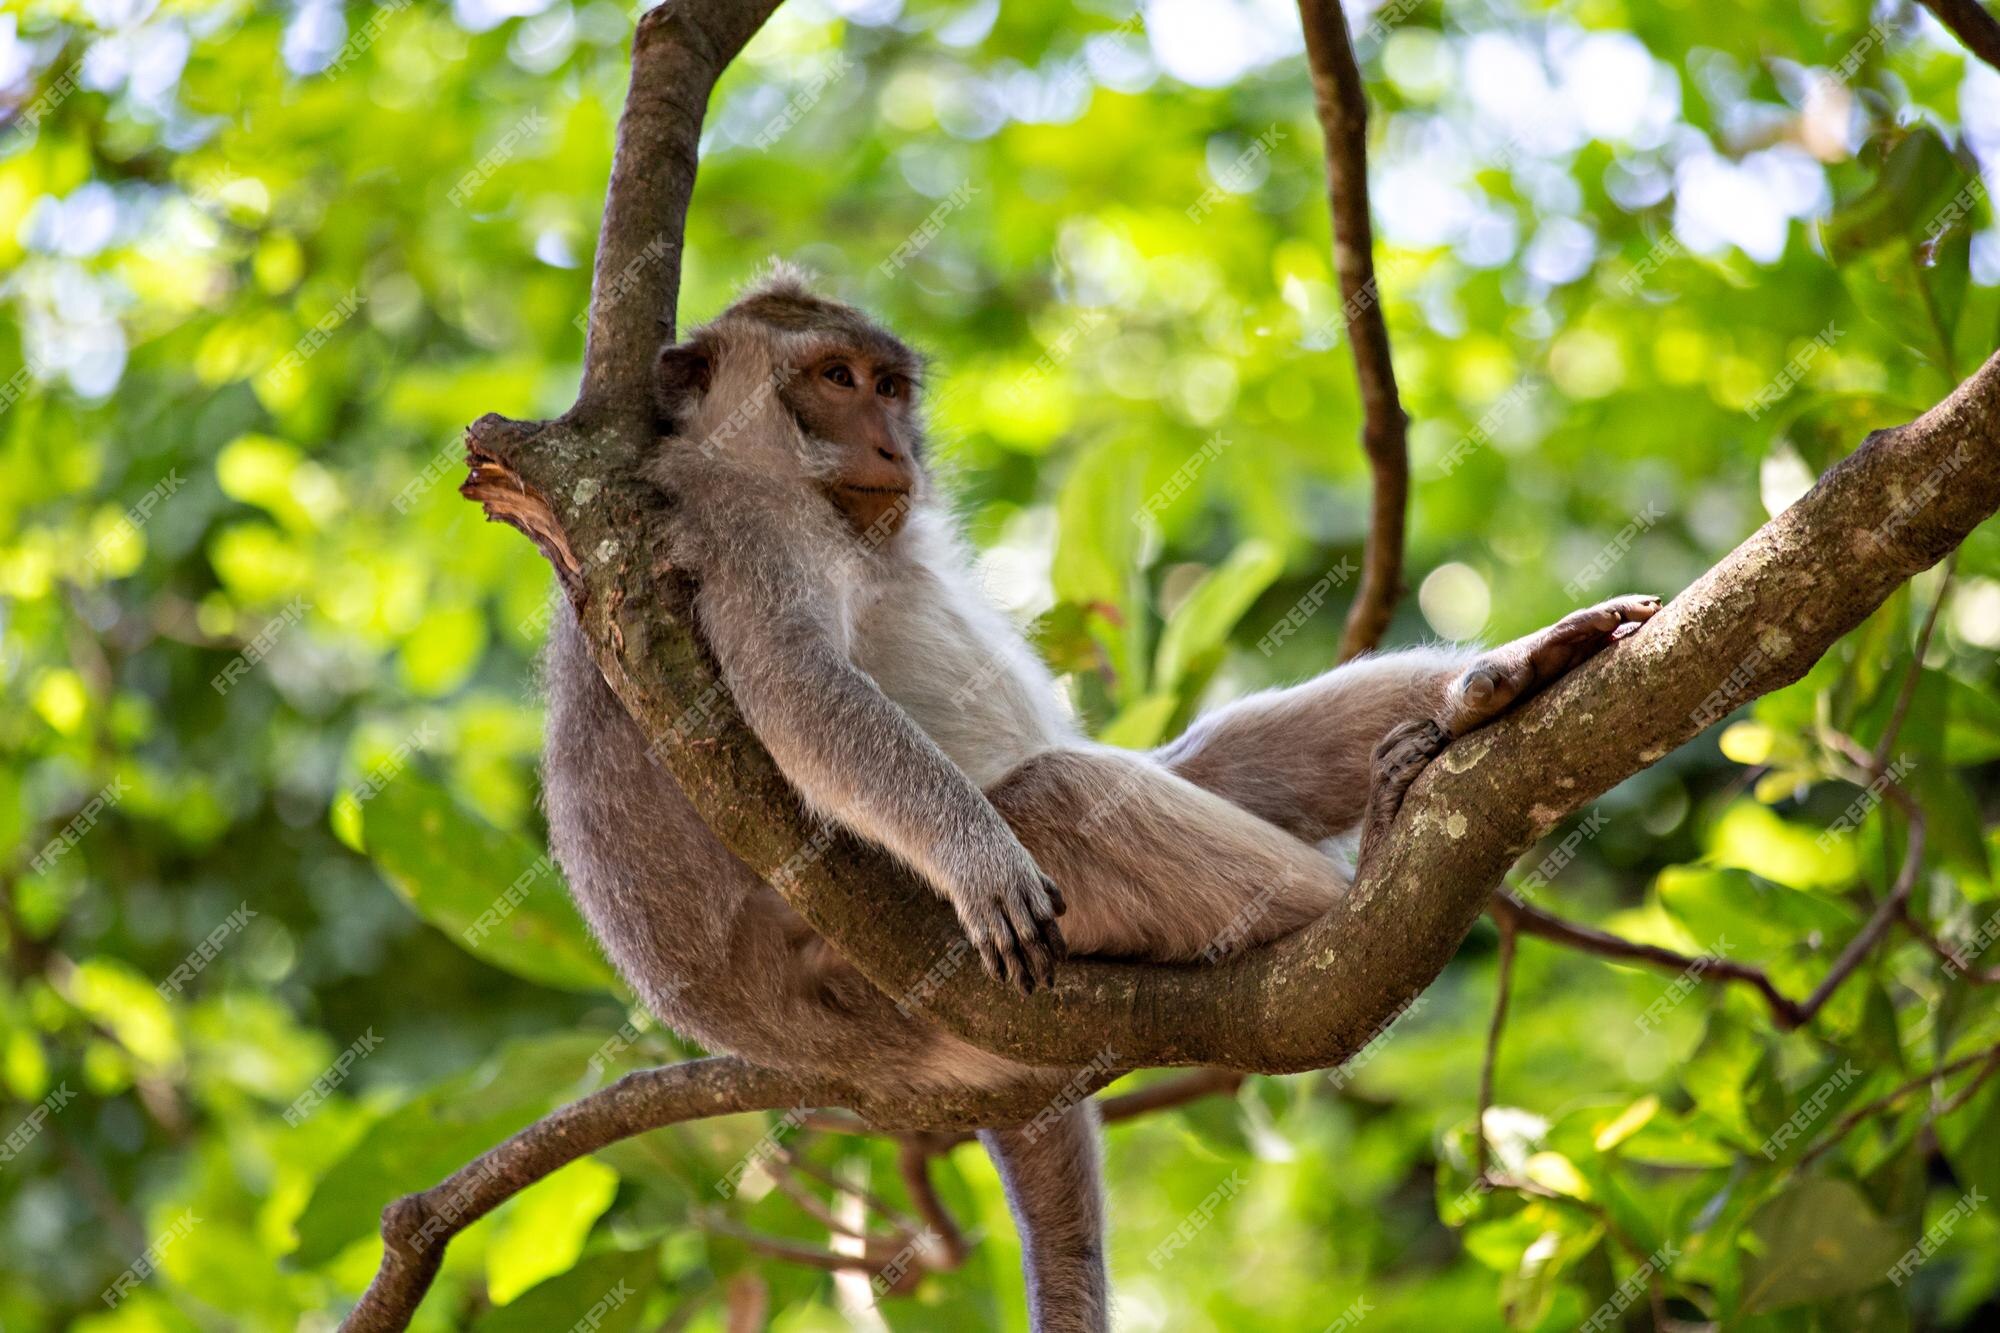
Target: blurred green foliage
[(281, 942)]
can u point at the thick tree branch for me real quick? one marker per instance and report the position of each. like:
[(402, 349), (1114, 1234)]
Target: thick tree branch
[(678, 52), (1979, 30), (1754, 623), (1343, 116)]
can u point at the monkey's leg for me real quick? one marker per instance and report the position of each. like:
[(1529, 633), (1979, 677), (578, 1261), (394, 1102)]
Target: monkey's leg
[(1323, 757), (1303, 758), (1498, 681), (1054, 1179), (1515, 672), (1152, 866)]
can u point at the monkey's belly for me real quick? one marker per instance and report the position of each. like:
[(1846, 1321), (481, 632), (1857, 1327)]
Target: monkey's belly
[(987, 706)]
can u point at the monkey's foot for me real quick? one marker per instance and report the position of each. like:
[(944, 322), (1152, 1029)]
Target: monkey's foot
[(1404, 753), (1511, 674)]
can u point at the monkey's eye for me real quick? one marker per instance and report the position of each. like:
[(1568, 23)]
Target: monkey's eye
[(888, 388), (840, 375)]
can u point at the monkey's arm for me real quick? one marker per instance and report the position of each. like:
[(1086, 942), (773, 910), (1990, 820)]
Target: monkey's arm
[(858, 759)]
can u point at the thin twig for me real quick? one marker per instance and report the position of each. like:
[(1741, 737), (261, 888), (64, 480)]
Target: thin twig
[(799, 1162), (1787, 1012), (1961, 967), (915, 1165), (1503, 984), (1895, 905), (1971, 1086), (812, 1205), (873, 1256), (746, 1302), (1846, 1123), (1343, 116), (1908, 689), (417, 1227), (1974, 26)]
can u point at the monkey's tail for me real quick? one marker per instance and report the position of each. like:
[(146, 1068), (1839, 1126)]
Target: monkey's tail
[(1053, 1172)]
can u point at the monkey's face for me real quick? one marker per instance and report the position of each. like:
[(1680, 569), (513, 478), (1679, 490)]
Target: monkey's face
[(847, 384), (856, 404)]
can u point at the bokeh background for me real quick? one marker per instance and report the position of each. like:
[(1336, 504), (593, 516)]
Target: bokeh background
[(267, 699)]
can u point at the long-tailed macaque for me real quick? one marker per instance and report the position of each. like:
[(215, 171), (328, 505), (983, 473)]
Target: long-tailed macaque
[(851, 632)]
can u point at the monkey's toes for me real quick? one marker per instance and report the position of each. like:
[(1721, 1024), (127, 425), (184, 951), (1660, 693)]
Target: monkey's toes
[(1633, 611), (1478, 686)]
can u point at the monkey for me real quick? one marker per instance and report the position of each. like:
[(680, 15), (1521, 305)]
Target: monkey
[(839, 603)]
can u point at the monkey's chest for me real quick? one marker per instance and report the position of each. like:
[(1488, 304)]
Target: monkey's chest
[(971, 684)]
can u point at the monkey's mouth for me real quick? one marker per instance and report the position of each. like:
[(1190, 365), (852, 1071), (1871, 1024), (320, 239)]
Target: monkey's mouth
[(871, 490)]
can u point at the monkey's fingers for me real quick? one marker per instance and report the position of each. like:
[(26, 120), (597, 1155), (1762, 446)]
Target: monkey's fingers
[(995, 953), (1056, 898), (1041, 946), (1003, 947), (1031, 912), (1400, 757)]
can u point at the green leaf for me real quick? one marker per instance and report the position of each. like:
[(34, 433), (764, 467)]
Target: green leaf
[(1914, 291), (491, 892), (1200, 625), (1818, 1240), (1098, 547), (1728, 911), (1970, 1137), (1751, 837), (1972, 726), (606, 1293), (1917, 178), (542, 1231), (434, 1134), (1904, 247)]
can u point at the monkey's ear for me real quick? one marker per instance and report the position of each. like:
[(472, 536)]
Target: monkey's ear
[(680, 378)]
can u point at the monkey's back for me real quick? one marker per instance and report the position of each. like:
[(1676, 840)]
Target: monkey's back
[(713, 951)]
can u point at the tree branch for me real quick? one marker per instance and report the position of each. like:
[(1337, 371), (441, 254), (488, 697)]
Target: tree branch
[(1343, 116), (1979, 30), (417, 1227), (1754, 623), (678, 52), (1508, 909), (1503, 986), (1989, 1058)]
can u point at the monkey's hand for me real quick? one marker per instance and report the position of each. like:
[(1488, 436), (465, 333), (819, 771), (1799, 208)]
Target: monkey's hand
[(1008, 909)]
